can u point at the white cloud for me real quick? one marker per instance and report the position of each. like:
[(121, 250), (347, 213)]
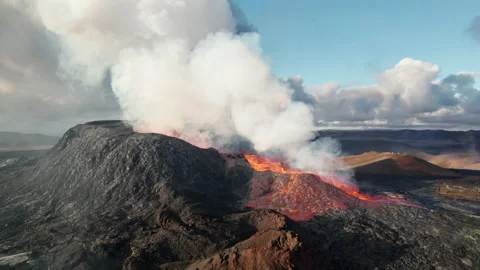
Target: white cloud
[(177, 67), (410, 93)]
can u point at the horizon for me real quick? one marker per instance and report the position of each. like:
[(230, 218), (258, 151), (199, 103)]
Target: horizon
[(318, 129)]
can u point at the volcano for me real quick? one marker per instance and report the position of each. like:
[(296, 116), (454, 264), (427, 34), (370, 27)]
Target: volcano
[(302, 195), (106, 197)]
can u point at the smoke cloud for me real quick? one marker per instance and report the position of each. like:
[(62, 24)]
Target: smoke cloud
[(474, 29), (407, 95), (33, 95), (193, 69)]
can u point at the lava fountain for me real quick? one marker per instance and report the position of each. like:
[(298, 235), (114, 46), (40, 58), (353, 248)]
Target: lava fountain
[(302, 195)]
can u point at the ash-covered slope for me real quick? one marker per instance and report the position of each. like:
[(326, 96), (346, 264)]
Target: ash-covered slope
[(102, 176), (105, 165)]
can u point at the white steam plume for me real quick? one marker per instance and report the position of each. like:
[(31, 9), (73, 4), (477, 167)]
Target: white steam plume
[(178, 66)]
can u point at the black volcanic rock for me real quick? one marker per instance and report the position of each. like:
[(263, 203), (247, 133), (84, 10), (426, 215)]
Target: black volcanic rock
[(102, 177), (398, 237), (106, 197), (105, 166)]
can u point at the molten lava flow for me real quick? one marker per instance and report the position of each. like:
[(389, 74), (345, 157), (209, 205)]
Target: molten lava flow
[(263, 164), (302, 195)]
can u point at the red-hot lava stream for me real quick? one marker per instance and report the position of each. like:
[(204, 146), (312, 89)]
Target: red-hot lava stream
[(262, 164), (301, 195)]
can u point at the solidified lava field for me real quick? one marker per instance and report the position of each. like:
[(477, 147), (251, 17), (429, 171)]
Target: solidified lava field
[(106, 197)]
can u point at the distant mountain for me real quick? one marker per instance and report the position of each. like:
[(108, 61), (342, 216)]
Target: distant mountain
[(433, 142), (395, 164), (20, 141)]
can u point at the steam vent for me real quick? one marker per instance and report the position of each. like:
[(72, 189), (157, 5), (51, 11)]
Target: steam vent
[(105, 197)]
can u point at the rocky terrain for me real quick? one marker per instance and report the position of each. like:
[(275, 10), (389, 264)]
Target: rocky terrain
[(105, 197), (468, 190)]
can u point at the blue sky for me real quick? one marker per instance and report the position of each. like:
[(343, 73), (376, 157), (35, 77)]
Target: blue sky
[(352, 40)]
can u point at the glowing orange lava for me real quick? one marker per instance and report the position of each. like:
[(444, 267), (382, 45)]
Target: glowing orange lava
[(301, 195), (263, 164), (297, 194)]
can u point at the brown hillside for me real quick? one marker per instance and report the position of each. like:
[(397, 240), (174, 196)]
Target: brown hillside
[(456, 161), (395, 164)]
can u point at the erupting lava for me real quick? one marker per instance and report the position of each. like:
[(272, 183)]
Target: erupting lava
[(263, 164), (301, 195), (297, 194)]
